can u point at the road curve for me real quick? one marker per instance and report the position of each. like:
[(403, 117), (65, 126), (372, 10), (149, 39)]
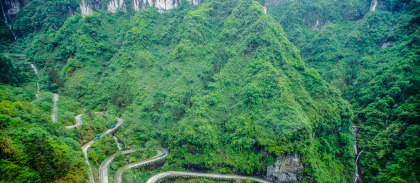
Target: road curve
[(118, 174), (205, 175), (103, 169), (54, 108), (78, 122), (90, 143)]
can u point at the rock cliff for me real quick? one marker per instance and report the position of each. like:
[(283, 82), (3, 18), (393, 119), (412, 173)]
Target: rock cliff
[(285, 169), (12, 7)]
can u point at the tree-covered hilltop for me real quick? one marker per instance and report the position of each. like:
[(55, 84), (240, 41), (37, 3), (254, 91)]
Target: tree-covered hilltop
[(373, 58)]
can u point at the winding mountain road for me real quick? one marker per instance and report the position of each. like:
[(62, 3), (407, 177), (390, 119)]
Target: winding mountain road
[(103, 169), (54, 108), (118, 174), (78, 122), (90, 143), (163, 175)]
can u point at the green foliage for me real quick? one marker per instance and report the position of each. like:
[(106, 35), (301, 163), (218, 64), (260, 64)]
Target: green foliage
[(31, 147), (225, 91), (9, 74), (44, 15), (373, 62)]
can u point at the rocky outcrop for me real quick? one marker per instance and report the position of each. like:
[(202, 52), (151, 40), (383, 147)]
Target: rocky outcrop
[(161, 5), (273, 2), (12, 7), (194, 2), (373, 5), (285, 169), (115, 5), (87, 7)]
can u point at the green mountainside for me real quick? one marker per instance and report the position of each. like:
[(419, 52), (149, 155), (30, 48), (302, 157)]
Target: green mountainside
[(373, 58), (219, 85)]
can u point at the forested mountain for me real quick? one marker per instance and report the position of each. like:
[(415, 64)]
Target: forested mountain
[(370, 51), (217, 83)]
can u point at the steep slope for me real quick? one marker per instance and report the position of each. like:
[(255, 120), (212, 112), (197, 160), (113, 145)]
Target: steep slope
[(219, 85), (373, 60), (32, 148)]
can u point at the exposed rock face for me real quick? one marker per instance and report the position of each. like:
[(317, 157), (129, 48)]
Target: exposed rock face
[(85, 9), (12, 7), (285, 169), (373, 5), (161, 5), (273, 2), (194, 2), (115, 5), (386, 45)]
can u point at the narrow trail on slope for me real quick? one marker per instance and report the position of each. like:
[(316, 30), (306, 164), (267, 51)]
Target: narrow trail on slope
[(54, 108), (163, 175), (78, 122), (160, 152), (90, 143)]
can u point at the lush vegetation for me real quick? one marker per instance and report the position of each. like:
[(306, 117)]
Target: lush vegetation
[(32, 148), (219, 85), (373, 59)]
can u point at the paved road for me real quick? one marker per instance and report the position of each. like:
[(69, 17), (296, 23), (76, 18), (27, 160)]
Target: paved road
[(205, 175), (103, 169), (16, 56), (87, 146), (54, 108), (118, 174), (78, 122)]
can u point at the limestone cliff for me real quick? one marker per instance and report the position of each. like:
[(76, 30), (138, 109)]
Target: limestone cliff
[(161, 5), (285, 169), (12, 7), (115, 5)]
